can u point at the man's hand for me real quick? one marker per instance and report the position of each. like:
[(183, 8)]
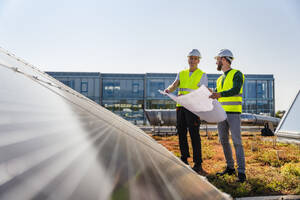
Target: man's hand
[(167, 90), (215, 95)]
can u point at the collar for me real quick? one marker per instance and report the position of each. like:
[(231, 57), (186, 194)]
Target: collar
[(225, 73)]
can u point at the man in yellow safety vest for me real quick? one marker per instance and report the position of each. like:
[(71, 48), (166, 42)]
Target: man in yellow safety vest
[(229, 93), (186, 81)]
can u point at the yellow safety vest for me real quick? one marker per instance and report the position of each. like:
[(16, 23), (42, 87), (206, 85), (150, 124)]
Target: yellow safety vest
[(188, 83), (232, 103)]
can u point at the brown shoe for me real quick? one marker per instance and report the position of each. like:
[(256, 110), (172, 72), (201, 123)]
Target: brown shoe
[(203, 173)]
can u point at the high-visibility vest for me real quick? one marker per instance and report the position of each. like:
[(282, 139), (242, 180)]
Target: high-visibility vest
[(188, 83), (232, 103)]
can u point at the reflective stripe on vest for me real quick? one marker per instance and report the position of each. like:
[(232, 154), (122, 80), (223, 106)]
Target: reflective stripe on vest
[(238, 95), (232, 103), (188, 83)]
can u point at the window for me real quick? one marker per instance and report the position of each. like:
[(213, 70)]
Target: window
[(69, 83), (84, 86), (111, 88), (250, 106), (262, 90), (161, 104), (212, 84), (130, 110), (262, 106), (135, 88), (250, 89), (270, 86), (153, 86), (123, 88)]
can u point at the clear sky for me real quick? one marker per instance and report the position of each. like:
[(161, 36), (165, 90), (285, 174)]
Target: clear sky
[(139, 36)]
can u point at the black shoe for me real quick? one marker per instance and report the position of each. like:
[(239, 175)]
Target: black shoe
[(198, 169), (228, 171), (242, 177), (184, 160)]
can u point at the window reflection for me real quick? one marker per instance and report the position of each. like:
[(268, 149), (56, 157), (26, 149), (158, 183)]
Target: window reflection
[(154, 86), (135, 88), (131, 110), (262, 90), (262, 106), (160, 104), (69, 83), (212, 84), (250, 88), (125, 88), (250, 106), (270, 83)]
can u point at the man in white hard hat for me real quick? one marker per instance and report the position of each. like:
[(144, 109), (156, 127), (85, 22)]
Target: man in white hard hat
[(186, 81), (229, 93)]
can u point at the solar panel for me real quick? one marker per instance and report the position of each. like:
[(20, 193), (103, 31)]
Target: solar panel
[(57, 144), (289, 127)]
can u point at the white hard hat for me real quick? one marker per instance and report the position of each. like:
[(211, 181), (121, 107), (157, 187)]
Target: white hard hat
[(225, 53), (195, 52)]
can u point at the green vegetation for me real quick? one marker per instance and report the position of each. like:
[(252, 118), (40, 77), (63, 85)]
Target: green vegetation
[(279, 113), (271, 168)]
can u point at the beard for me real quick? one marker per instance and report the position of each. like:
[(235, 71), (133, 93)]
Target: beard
[(219, 67)]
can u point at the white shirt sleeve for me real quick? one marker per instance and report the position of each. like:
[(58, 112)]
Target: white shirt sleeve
[(204, 80), (177, 77)]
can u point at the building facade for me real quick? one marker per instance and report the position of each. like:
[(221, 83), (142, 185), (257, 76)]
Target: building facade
[(128, 95)]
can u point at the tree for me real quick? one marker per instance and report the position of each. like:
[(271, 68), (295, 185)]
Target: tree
[(279, 113)]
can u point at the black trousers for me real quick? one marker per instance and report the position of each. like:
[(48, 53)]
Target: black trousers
[(188, 120)]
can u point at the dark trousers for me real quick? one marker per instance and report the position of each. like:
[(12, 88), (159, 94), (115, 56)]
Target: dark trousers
[(188, 120)]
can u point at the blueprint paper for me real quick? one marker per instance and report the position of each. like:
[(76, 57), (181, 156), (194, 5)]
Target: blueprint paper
[(216, 115), (200, 104), (197, 100)]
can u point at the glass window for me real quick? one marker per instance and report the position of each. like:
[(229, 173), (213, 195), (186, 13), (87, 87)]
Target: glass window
[(212, 84), (116, 88), (84, 86), (250, 88), (262, 107), (135, 88), (123, 88), (271, 107), (250, 106), (262, 90), (160, 104), (108, 88), (154, 86), (69, 83), (131, 110), (111, 88), (270, 86)]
